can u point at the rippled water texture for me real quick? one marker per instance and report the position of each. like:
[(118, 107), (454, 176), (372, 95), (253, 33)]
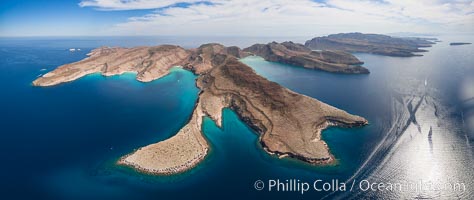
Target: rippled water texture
[(63, 141)]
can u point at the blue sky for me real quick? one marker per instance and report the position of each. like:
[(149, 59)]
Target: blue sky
[(232, 17), (56, 18)]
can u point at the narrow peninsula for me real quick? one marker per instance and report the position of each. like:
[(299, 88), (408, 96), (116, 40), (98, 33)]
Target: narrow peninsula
[(288, 123)]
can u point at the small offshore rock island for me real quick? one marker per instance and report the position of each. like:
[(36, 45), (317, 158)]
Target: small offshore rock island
[(289, 124)]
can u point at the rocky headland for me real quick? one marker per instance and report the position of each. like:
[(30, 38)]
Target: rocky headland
[(371, 43), (299, 55), (288, 123)]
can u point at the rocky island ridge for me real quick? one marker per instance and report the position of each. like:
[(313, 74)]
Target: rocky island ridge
[(371, 43), (298, 55), (151, 63)]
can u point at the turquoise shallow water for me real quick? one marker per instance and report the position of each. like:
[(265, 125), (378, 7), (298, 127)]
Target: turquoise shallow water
[(62, 142)]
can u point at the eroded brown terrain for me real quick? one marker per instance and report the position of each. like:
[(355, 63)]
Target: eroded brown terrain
[(299, 55), (289, 123)]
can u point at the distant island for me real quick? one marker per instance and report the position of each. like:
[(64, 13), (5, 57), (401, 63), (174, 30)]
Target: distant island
[(371, 43), (459, 43), (289, 124)]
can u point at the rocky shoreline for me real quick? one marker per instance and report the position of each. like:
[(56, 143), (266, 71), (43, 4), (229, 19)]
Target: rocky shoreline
[(151, 63), (289, 123), (263, 105), (175, 168), (299, 55), (163, 171)]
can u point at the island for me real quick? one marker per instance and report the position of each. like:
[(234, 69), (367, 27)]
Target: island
[(371, 43), (459, 43), (151, 63), (289, 124), (299, 55)]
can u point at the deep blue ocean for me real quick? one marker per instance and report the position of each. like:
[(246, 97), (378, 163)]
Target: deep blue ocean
[(62, 142)]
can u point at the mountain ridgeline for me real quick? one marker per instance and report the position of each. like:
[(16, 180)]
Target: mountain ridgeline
[(299, 55)]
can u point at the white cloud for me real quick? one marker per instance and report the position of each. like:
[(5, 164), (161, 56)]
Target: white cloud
[(131, 4), (290, 17), (440, 12)]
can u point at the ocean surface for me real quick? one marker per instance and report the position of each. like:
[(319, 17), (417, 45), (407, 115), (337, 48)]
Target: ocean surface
[(62, 142)]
